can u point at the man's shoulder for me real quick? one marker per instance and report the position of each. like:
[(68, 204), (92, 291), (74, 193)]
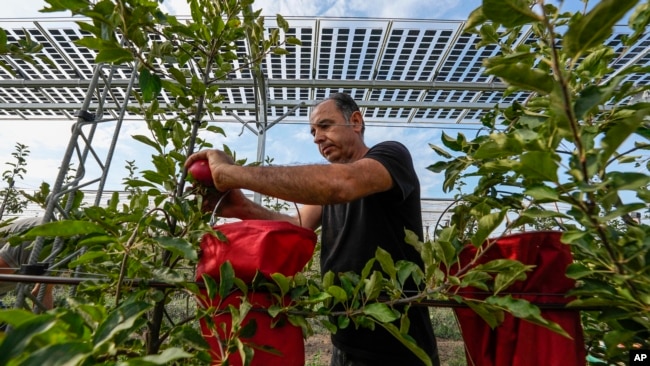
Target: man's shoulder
[(390, 144), (392, 148)]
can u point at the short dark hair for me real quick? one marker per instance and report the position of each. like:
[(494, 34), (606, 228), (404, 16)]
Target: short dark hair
[(345, 104)]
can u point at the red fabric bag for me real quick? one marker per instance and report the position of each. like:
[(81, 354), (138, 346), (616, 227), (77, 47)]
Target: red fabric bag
[(252, 246), (517, 342), (257, 245), (278, 333)]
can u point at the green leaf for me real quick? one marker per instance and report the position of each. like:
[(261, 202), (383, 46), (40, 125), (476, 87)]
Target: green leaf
[(542, 193), (486, 225), (120, 319), (64, 228), (282, 23), (525, 310), (440, 151), (178, 246), (372, 286), (592, 29), (114, 56), (619, 132), (594, 95), (622, 210), (523, 76), (343, 322), (150, 85), (408, 270), (408, 343), (148, 141), (328, 325), (3, 41), (338, 293), (445, 251), (226, 279), (165, 358), (67, 353), (537, 213), (386, 262), (540, 165), (492, 316), (319, 297), (504, 279), (627, 180), (455, 144), (476, 17), (96, 240), (22, 335), (280, 51), (293, 41), (87, 257), (381, 312), (578, 270), (16, 317), (498, 146), (438, 167), (510, 13), (95, 43), (282, 282), (249, 329), (210, 285), (497, 265), (477, 279)]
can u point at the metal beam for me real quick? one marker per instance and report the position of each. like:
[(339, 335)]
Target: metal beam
[(279, 83), (271, 103)]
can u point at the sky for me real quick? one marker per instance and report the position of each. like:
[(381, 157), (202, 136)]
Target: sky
[(47, 140)]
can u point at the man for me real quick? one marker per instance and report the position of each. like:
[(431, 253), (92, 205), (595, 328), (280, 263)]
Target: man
[(365, 198), (12, 256)]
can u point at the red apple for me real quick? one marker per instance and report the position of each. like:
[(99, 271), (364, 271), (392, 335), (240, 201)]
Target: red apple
[(200, 172)]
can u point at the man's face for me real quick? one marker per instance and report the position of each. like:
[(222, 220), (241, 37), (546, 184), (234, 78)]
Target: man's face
[(336, 138)]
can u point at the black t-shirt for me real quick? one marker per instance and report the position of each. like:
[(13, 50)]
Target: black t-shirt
[(352, 232)]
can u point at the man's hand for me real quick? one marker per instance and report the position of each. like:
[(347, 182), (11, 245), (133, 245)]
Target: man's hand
[(217, 159), (234, 204)]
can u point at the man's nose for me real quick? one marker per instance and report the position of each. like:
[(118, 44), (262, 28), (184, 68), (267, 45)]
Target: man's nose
[(318, 137)]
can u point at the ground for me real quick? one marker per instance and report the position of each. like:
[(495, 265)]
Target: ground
[(318, 351)]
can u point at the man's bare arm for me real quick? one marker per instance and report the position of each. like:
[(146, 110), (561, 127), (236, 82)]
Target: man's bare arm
[(307, 184)]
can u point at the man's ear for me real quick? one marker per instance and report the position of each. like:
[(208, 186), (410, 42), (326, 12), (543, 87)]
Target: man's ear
[(356, 119)]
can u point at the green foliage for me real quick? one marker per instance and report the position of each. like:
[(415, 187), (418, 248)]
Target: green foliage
[(11, 198), (24, 48), (155, 233), (560, 147), (572, 158)]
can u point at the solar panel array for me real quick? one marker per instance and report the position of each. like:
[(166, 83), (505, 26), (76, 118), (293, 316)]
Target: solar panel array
[(407, 71)]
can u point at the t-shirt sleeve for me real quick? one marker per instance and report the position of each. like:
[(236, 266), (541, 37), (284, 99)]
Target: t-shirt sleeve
[(396, 158)]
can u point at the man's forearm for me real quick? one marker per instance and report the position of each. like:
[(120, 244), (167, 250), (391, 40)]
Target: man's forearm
[(307, 184)]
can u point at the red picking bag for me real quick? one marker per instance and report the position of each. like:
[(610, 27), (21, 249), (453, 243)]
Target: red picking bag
[(257, 245), (252, 246), (516, 342), (284, 338)]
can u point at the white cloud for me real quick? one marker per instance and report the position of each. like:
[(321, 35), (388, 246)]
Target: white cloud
[(415, 9), (291, 7), (24, 9)]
